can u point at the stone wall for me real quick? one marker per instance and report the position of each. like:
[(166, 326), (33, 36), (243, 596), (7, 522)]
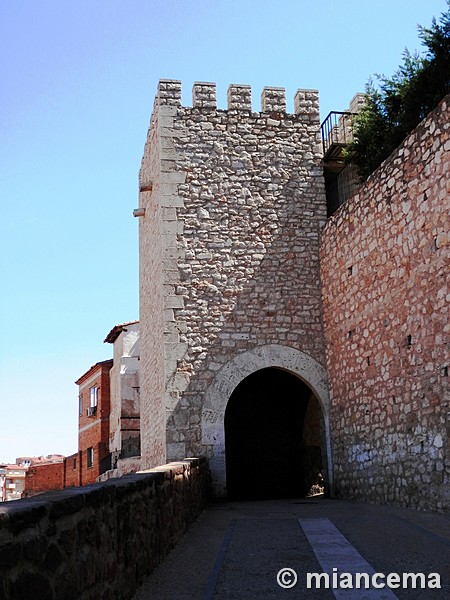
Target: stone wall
[(153, 175), (229, 248), (385, 276), (99, 541)]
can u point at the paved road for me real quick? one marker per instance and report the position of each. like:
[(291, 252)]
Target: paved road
[(235, 550)]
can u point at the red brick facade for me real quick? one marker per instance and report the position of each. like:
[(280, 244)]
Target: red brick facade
[(41, 478), (87, 464), (72, 470), (93, 423)]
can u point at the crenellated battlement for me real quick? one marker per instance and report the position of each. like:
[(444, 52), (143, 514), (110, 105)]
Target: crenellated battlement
[(239, 97), (273, 99), (169, 92), (204, 95)]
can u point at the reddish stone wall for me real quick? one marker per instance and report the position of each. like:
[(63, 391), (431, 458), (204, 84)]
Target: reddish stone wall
[(385, 274), (42, 478)]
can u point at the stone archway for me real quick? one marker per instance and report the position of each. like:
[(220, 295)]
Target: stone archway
[(272, 438), (228, 378)]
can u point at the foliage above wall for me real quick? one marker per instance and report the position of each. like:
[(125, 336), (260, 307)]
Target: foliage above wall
[(396, 105)]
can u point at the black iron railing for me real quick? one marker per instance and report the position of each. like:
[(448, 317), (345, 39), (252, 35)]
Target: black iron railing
[(336, 133)]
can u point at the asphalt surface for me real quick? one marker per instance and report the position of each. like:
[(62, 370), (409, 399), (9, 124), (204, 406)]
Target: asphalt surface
[(235, 550)]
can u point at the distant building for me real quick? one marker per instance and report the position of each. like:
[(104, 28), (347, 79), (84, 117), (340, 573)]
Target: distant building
[(124, 441), (31, 475), (93, 425), (12, 482), (108, 427), (28, 461)]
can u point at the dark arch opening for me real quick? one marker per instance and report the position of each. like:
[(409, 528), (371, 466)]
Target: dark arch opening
[(273, 431)]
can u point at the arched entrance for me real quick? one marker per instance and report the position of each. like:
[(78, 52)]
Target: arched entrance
[(218, 394), (272, 437)]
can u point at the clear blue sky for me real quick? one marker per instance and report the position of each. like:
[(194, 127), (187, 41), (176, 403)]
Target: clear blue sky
[(77, 86)]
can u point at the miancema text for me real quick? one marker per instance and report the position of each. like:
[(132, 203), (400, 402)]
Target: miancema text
[(376, 580)]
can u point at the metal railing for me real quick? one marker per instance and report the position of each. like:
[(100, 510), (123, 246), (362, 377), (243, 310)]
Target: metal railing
[(336, 133)]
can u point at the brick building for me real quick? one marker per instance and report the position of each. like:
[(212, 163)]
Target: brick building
[(12, 481), (72, 472), (109, 412), (93, 425), (108, 426), (31, 475)]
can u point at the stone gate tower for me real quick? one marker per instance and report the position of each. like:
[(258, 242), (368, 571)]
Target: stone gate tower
[(232, 203)]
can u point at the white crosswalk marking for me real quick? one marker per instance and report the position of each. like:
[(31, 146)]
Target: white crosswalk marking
[(334, 551)]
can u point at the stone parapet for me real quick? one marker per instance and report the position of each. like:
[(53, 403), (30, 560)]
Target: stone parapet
[(239, 97), (101, 540)]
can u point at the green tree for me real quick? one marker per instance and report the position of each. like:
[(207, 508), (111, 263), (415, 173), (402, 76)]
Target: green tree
[(395, 106)]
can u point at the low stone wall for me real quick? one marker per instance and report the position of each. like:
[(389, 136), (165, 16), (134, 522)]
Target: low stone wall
[(101, 540)]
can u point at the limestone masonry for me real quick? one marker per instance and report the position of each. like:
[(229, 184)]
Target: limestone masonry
[(232, 210), (229, 248)]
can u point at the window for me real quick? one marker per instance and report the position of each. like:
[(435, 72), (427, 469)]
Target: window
[(94, 397), (90, 457), (93, 400), (74, 463), (80, 405)]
